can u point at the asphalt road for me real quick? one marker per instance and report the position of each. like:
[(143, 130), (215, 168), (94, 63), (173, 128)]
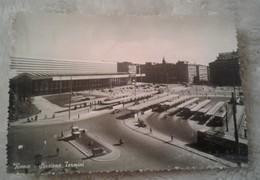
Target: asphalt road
[(139, 152), (180, 128)]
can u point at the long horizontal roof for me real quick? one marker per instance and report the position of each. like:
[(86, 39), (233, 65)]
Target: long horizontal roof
[(215, 109), (188, 102), (151, 102), (125, 99), (172, 103), (21, 65), (221, 114), (66, 76), (201, 105), (190, 107), (204, 109)]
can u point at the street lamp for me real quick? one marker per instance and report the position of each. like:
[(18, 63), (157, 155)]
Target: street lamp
[(135, 85), (70, 96), (233, 100), (226, 117), (60, 89)]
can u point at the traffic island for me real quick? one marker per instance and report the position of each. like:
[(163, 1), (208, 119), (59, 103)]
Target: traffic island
[(92, 147)]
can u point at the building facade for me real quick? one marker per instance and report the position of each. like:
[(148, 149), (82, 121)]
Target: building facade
[(224, 71), (159, 72), (203, 74), (33, 77), (134, 71), (191, 73), (181, 72)]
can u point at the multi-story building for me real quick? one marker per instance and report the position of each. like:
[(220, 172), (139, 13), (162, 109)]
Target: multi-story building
[(181, 72), (158, 72), (124, 67), (224, 71), (191, 73), (134, 70), (202, 71)]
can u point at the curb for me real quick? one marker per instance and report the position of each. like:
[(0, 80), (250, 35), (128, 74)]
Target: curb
[(114, 154), (199, 153)]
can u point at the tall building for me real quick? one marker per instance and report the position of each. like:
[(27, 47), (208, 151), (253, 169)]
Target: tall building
[(124, 67), (134, 70), (203, 74), (158, 72), (191, 73), (224, 71)]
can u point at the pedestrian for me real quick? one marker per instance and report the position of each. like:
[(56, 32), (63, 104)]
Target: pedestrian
[(62, 134), (151, 131), (57, 151), (121, 141), (171, 136), (245, 133), (91, 143), (78, 116)]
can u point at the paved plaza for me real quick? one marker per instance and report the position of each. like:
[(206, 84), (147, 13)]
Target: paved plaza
[(164, 142)]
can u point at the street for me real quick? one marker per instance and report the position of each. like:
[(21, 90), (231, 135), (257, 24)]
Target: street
[(138, 151)]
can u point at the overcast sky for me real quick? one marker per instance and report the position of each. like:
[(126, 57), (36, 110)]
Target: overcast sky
[(123, 38)]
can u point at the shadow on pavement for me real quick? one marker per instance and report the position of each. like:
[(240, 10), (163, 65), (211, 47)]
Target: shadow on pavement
[(125, 116), (89, 157), (51, 156), (220, 152)]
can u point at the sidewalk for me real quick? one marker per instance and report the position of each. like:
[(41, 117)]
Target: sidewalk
[(114, 154), (130, 123), (63, 118), (46, 107)]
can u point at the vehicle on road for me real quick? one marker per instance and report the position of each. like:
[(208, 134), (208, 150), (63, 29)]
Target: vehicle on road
[(141, 123), (116, 111)]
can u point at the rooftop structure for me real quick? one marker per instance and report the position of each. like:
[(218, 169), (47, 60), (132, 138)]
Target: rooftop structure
[(42, 76)]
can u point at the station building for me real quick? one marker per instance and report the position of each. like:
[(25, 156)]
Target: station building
[(31, 77)]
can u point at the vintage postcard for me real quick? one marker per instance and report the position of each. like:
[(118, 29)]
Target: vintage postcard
[(124, 93)]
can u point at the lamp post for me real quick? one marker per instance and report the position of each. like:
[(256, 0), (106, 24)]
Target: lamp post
[(235, 126), (135, 86), (167, 82), (226, 117), (70, 96), (60, 89)]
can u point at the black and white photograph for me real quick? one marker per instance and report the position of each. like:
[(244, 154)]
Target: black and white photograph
[(106, 93)]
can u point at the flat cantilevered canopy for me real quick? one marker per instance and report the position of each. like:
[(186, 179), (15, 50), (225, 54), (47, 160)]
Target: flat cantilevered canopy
[(125, 99), (215, 109), (146, 104), (188, 102), (172, 103), (200, 105), (83, 77), (221, 114), (204, 110)]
